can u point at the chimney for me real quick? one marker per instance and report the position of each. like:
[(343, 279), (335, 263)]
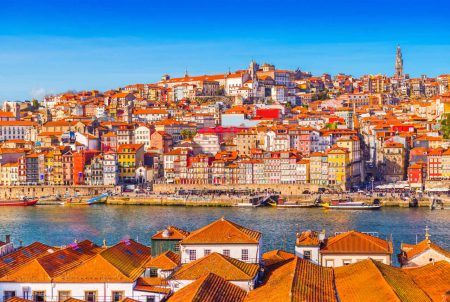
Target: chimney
[(8, 238)]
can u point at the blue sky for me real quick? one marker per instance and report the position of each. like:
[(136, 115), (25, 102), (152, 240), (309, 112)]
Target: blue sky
[(54, 46)]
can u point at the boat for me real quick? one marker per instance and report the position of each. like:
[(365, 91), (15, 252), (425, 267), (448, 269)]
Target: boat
[(24, 202), (350, 206), (99, 199)]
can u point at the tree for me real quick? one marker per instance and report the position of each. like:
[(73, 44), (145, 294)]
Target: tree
[(445, 126), (187, 134)]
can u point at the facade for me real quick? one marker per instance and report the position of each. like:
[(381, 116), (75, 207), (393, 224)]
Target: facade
[(342, 249), (224, 237)]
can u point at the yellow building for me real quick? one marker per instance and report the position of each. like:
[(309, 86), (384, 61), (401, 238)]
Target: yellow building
[(9, 174), (130, 157), (446, 164), (339, 167), (353, 145), (48, 167)]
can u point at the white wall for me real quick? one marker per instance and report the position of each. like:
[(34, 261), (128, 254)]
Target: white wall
[(338, 260), (424, 258), (315, 257), (77, 289), (235, 251)]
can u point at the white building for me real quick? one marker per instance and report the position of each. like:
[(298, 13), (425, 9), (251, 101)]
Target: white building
[(110, 168), (208, 143), (238, 273), (142, 135), (342, 249), (15, 129), (224, 237), (82, 270), (422, 253)]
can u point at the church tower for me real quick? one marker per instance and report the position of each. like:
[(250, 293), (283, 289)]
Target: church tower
[(399, 63)]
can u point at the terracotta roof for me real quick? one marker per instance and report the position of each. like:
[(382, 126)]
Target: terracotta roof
[(209, 288), (17, 299), (173, 233), (370, 280), (432, 278), (222, 231), (297, 280), (411, 251), (165, 261), (226, 267), (21, 257), (152, 284), (275, 257), (356, 243), (308, 238), (129, 257)]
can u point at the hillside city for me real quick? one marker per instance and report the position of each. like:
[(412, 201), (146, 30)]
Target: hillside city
[(260, 125)]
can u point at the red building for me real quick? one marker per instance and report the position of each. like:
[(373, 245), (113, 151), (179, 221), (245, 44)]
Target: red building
[(80, 160), (416, 175), (435, 164)]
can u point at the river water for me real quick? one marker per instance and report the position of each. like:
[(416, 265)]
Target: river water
[(59, 225)]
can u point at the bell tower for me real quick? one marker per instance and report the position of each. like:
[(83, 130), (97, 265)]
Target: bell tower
[(399, 63)]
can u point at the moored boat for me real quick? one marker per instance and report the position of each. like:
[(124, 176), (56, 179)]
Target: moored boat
[(25, 202), (351, 206), (99, 199)]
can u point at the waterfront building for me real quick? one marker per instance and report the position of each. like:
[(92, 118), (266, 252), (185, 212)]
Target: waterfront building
[(339, 167), (224, 237), (110, 168), (393, 161), (342, 249)]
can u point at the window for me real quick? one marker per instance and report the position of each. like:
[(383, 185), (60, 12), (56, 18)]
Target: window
[(307, 255), (329, 263), (8, 294), (206, 252), (226, 253), (346, 261), (90, 296), (63, 295), (117, 296), (192, 255), (244, 255), (153, 272), (38, 296), (150, 299)]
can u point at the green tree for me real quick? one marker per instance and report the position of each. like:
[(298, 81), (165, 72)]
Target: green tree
[(445, 126), (187, 134)]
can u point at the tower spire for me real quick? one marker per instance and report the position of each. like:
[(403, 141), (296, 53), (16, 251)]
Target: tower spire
[(399, 63)]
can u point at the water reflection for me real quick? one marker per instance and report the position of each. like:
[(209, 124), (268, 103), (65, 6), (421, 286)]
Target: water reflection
[(60, 225)]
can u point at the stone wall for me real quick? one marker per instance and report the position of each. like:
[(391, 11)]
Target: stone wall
[(44, 191), (284, 189)]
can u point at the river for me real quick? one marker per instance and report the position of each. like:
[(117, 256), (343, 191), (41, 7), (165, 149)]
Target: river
[(59, 225)]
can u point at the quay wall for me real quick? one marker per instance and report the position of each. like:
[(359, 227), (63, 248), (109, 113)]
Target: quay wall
[(8, 192), (284, 189)]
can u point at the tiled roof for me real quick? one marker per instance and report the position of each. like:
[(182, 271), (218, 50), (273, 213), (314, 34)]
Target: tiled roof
[(433, 278), (173, 233), (209, 288), (152, 284), (22, 256), (165, 261), (222, 231), (370, 280), (411, 251), (275, 257), (308, 238), (226, 267), (297, 280), (129, 257), (356, 243)]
